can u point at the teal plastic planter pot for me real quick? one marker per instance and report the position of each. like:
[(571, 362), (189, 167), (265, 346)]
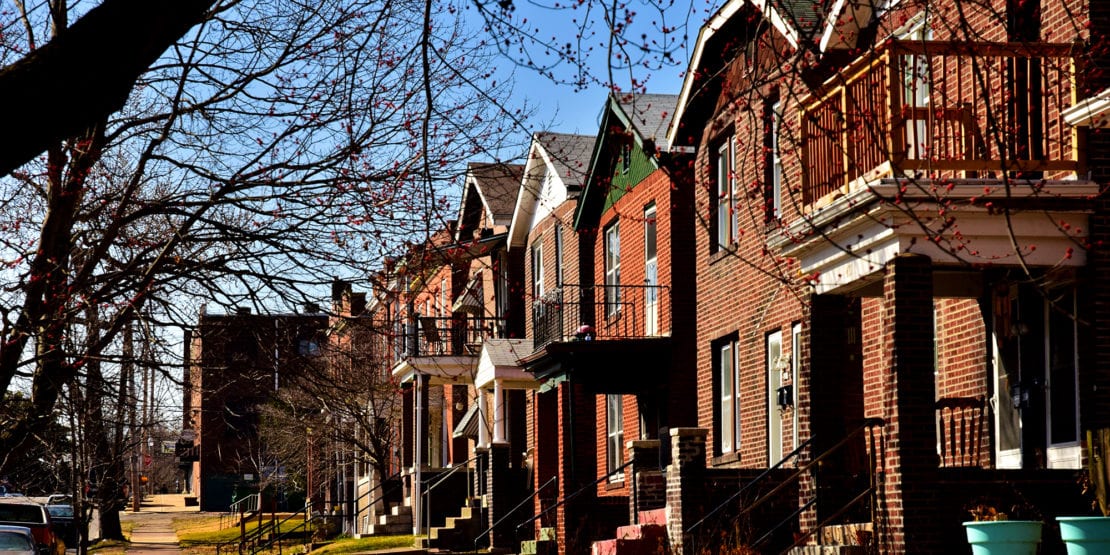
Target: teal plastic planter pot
[(1004, 537), (1085, 535)]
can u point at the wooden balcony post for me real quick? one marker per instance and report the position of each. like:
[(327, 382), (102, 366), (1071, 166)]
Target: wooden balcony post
[(896, 131)]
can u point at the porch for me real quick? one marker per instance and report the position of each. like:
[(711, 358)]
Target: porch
[(941, 110)]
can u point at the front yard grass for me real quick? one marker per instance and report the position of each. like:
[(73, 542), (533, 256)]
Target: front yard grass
[(355, 545)]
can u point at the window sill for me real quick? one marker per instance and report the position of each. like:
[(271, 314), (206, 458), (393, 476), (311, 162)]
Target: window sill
[(722, 253), (727, 458), (616, 482)]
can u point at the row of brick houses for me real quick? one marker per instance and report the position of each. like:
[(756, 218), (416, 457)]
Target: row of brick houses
[(843, 287)]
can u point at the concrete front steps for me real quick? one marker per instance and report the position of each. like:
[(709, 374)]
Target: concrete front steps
[(840, 539), (397, 521), (457, 534), (649, 537), (544, 544)]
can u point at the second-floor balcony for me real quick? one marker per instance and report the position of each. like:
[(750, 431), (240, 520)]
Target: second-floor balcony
[(940, 110), (601, 312), (441, 346)]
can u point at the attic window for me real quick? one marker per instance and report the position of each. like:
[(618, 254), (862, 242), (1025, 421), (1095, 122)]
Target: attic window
[(626, 158)]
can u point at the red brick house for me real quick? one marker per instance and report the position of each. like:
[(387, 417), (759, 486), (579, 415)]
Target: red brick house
[(448, 299), (895, 292), (237, 363)]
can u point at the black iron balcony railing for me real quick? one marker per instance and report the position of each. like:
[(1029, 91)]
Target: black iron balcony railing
[(448, 336), (589, 312), (947, 109)]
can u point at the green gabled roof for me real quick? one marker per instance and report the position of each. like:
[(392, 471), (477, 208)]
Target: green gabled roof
[(646, 117)]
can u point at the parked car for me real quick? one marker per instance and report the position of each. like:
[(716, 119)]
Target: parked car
[(26, 513), (63, 522), (17, 540), (59, 499)]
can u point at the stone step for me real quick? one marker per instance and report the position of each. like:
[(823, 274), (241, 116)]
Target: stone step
[(628, 547), (829, 550), (395, 529), (853, 533), (395, 519), (654, 516), (642, 532), (538, 547), (399, 510)]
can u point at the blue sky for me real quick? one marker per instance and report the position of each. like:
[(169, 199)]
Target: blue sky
[(575, 109)]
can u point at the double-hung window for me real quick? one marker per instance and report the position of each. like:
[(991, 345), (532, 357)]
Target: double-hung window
[(726, 386), (727, 220), (612, 270), (614, 432), (772, 163), (558, 255), (537, 270)]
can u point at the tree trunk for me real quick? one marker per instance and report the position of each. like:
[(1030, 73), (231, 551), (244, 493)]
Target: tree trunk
[(86, 73)]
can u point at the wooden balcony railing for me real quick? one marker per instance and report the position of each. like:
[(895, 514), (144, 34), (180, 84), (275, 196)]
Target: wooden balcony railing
[(609, 311), (450, 336), (940, 109)]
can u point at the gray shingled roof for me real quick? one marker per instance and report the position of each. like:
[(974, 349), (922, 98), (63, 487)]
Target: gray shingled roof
[(570, 154), (499, 184), (650, 114), (506, 352), (807, 16)]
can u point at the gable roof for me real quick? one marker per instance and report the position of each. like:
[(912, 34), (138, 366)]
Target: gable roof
[(646, 117), (495, 185), (568, 154), (566, 158), (799, 22)]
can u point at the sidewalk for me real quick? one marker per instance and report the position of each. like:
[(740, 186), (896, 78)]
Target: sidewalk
[(153, 532)]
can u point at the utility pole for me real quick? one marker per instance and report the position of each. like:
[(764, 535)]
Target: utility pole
[(129, 373)]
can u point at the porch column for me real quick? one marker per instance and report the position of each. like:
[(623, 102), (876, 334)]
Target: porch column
[(483, 420), (498, 494), (685, 487), (498, 413), (419, 456), (649, 487), (908, 407)]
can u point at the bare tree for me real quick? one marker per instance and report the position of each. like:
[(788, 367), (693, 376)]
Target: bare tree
[(276, 145)]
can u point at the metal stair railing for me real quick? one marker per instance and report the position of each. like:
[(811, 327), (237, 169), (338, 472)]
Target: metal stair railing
[(876, 473), (425, 494), (869, 424), (248, 504), (579, 491), (529, 499), (381, 484), (278, 535)]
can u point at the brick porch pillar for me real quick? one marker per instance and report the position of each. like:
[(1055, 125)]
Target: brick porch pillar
[(685, 486), (499, 494), (649, 489), (908, 406)]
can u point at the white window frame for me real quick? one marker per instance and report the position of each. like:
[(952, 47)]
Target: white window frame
[(727, 396), (558, 255), (776, 161), (773, 352), (612, 270), (651, 271), (614, 434), (1065, 454), (537, 270), (795, 371), (727, 218)]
